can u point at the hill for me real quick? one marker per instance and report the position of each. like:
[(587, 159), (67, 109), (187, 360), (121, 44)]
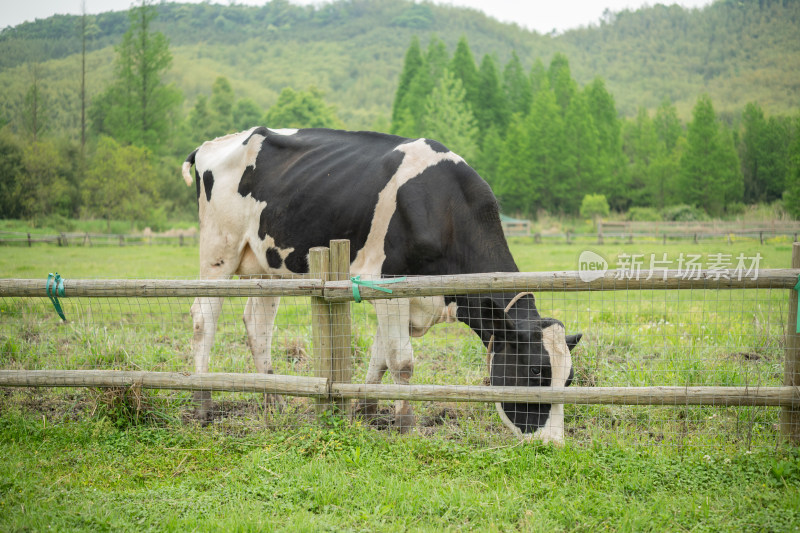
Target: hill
[(737, 51)]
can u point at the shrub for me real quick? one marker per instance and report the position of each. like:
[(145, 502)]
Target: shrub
[(594, 205), (683, 213), (644, 214)]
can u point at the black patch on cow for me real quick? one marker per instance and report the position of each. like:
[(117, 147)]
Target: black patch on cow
[(446, 222), (297, 262), (248, 182), (319, 185), (197, 184), (436, 146), (262, 223), (274, 259), (208, 183), (528, 417)]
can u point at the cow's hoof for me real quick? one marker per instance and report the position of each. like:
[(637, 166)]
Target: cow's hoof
[(404, 423), (274, 403), (203, 407), (367, 409)]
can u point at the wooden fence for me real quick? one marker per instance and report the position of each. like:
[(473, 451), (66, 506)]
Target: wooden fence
[(15, 238), (331, 291)]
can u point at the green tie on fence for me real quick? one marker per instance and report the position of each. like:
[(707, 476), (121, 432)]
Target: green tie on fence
[(54, 289), (356, 280), (797, 288)]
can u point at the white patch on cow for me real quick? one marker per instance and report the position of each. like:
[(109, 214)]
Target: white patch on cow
[(555, 342), (232, 243), (284, 131), (418, 157), (554, 339), (428, 311)]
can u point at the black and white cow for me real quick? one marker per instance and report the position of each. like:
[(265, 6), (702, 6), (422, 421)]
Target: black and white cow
[(408, 207)]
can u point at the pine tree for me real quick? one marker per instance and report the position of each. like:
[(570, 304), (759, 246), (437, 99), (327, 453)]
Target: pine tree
[(513, 183), (710, 173), (493, 109), (222, 102), (612, 177), (448, 118), (538, 77), (462, 66), (791, 197), (580, 155), (548, 167), (139, 108), (517, 86), (404, 104), (641, 147), (561, 82)]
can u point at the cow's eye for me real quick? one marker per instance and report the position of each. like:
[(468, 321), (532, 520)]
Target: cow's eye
[(536, 370)]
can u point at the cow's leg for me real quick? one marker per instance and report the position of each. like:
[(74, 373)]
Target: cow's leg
[(205, 314), (393, 346), (375, 371), (259, 318)]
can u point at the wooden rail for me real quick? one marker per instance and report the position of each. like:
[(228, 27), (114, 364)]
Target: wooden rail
[(342, 291), (331, 293), (319, 387)]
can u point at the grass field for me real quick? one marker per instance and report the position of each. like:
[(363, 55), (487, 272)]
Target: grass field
[(92, 460)]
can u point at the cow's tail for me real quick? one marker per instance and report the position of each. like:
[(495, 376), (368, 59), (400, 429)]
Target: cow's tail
[(187, 168)]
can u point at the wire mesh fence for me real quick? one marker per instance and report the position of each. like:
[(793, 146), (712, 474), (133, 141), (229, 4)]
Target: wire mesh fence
[(710, 358)]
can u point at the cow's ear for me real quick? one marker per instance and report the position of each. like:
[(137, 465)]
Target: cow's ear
[(572, 340), (497, 320)]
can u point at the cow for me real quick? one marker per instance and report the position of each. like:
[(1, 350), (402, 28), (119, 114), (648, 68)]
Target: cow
[(409, 207)]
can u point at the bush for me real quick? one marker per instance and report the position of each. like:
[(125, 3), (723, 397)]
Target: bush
[(683, 213), (735, 208), (594, 205), (644, 214)]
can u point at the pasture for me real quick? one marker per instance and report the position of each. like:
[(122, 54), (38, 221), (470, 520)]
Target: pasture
[(84, 460)]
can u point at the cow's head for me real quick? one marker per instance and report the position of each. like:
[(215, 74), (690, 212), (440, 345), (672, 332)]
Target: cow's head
[(530, 351)]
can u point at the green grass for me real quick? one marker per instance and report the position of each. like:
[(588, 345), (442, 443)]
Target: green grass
[(80, 460)]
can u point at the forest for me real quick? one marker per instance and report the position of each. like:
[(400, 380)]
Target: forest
[(102, 109)]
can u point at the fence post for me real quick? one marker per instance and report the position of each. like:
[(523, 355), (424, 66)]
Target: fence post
[(29, 240), (341, 330), (122, 240), (319, 263), (790, 416)]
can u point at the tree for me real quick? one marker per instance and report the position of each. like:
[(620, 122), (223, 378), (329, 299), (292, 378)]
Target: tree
[(43, 187), (138, 108), (246, 114), (764, 155), (449, 120), (580, 155), (301, 109), (221, 104), (791, 197), (594, 206), (612, 178), (35, 107), (11, 175), (493, 109), (119, 182), (561, 82), (517, 86), (413, 67), (641, 146), (710, 173), (463, 68)]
